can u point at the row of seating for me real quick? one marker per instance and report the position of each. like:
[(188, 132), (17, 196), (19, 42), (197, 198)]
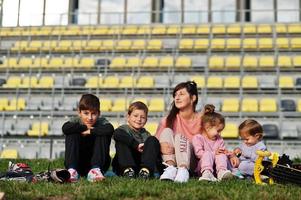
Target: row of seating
[(157, 29), (253, 62), (47, 62), (29, 82), (90, 45)]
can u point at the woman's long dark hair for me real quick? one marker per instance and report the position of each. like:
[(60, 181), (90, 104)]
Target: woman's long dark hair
[(191, 88)]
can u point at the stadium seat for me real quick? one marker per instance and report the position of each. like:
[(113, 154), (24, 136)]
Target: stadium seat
[(250, 44), (282, 43), (110, 82), (284, 61), (233, 44), (143, 100), (38, 129), (114, 30), (286, 82), (218, 44), (24, 63), (231, 82), (94, 82), (215, 82), (138, 45), (154, 45), (144, 30), (203, 29), (249, 29), (150, 62), (230, 105), (234, 29), (265, 43), (156, 105), (173, 30), (13, 82), (85, 62), (266, 61), (230, 131), (218, 29), (133, 62), (9, 154), (298, 82), (186, 44), (63, 46), (107, 45), (294, 28), (249, 105), (232, 62), (54, 63), (46, 82), (166, 62), (288, 105), (29, 82), (130, 30), (16, 104), (249, 82), (145, 82), (10, 63), (158, 30), (295, 43), (123, 45), (201, 44), (250, 62), (280, 28), (270, 131), (127, 82), (151, 127), (264, 29), (93, 45), (297, 61), (289, 131), (299, 105), (188, 29), (105, 104), (3, 104), (199, 80), (216, 63), (183, 62), (267, 105), (118, 63), (120, 105)]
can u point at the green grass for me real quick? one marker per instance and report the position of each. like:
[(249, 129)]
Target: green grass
[(122, 188)]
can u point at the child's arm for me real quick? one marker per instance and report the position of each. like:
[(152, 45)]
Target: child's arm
[(102, 130), (259, 146), (73, 128), (198, 146), (123, 137)]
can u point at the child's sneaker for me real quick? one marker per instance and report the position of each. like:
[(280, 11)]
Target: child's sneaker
[(207, 176), (144, 173), (224, 175), (129, 173), (169, 173), (95, 175), (237, 174), (73, 175), (182, 175)]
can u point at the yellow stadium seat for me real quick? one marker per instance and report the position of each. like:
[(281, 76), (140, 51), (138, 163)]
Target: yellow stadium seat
[(115, 125), (107, 45), (9, 154), (249, 82), (296, 43), (173, 29), (230, 131), (265, 43), (13, 82), (49, 45), (203, 29), (234, 29), (70, 62), (111, 82), (55, 62), (120, 105), (127, 82), (249, 29), (29, 82), (264, 29), (16, 104), (280, 28), (133, 62), (286, 82), (85, 63), (201, 44), (250, 62), (143, 100), (267, 105), (63, 46), (20, 46), (145, 82), (10, 63), (151, 127), (154, 45), (150, 62), (38, 129), (299, 105), (199, 80), (250, 43), (294, 28), (266, 61), (186, 44), (284, 61), (105, 105), (216, 62), (166, 62), (46, 82), (233, 44), (72, 30), (249, 105), (230, 105), (233, 62), (79, 45), (118, 63), (34, 45), (158, 30), (215, 82), (93, 45), (188, 29), (3, 104), (138, 45), (144, 30), (94, 82), (232, 82), (130, 30), (297, 61), (156, 105), (114, 30), (24, 62), (218, 29), (282, 43), (218, 44), (183, 62), (103, 30), (123, 45)]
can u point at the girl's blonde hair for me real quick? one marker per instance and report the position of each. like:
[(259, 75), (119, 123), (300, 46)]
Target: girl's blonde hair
[(252, 127)]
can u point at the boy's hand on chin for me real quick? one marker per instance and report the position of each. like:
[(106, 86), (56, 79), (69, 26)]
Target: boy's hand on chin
[(87, 132)]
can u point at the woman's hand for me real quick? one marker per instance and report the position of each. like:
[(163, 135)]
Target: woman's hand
[(167, 149)]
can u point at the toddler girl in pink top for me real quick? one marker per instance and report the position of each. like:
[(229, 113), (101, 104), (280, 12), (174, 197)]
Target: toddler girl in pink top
[(209, 148)]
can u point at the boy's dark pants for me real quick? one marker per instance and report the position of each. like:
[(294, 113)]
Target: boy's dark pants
[(85, 152), (126, 157)]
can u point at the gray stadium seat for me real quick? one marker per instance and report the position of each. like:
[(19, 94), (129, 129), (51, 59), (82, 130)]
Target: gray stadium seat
[(298, 82), (288, 105), (2, 81), (289, 130), (78, 82), (270, 131)]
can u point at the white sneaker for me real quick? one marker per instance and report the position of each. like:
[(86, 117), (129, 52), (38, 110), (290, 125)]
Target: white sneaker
[(182, 175), (224, 175), (169, 173), (207, 176)]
